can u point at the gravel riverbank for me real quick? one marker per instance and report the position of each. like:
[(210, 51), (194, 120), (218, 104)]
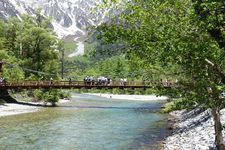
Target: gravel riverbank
[(193, 130)]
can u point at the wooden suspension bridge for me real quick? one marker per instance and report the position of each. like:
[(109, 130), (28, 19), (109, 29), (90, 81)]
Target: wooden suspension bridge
[(58, 84), (79, 85)]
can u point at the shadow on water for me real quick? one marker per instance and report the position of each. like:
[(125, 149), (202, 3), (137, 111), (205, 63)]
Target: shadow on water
[(141, 109), (151, 137)]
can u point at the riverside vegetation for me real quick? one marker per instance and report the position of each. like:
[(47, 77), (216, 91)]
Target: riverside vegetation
[(148, 40), (186, 36), (30, 43)]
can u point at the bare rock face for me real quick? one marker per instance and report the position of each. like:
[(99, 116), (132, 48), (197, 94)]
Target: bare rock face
[(7, 9)]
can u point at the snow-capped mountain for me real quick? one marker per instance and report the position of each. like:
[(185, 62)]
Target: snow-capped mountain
[(69, 17)]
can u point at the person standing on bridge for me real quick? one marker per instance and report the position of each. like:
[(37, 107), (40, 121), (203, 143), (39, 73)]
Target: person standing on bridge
[(51, 80), (125, 81), (4, 81), (70, 81), (1, 81)]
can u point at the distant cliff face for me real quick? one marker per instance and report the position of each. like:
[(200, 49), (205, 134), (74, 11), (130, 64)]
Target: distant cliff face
[(7, 9), (70, 17)]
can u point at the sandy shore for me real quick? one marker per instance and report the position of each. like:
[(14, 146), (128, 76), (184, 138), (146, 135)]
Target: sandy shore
[(15, 109), (130, 97)]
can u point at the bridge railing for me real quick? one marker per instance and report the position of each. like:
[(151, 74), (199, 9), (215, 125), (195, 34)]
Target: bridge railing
[(42, 83), (57, 83)]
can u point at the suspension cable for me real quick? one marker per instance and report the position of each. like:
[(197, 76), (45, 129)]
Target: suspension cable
[(29, 70)]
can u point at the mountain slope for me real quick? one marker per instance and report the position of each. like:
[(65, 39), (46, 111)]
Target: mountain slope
[(70, 17)]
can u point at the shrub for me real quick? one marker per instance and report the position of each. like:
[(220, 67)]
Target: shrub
[(38, 94), (51, 96), (168, 107), (64, 95)]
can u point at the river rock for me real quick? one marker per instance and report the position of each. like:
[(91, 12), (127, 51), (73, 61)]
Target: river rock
[(193, 130)]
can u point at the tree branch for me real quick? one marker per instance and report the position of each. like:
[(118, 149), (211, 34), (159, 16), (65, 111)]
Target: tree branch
[(217, 69)]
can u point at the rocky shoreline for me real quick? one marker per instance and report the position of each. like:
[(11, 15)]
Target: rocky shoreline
[(192, 130)]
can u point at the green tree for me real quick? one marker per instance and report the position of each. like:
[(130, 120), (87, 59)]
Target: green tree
[(187, 34), (33, 41), (31, 45), (11, 70)]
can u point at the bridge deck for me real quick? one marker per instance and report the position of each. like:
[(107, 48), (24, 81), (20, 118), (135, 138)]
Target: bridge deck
[(77, 85)]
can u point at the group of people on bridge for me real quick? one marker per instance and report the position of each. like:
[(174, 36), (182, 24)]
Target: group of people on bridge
[(92, 81), (103, 81)]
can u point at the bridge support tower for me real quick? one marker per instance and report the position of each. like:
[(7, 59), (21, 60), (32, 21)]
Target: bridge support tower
[(4, 94)]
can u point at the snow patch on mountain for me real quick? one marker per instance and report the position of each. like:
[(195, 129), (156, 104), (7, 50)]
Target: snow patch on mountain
[(70, 17), (17, 6)]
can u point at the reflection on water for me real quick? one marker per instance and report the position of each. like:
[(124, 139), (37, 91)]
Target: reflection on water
[(89, 122)]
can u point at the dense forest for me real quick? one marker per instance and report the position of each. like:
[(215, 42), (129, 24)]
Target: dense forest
[(29, 50)]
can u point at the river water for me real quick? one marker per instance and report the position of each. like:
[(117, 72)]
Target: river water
[(87, 123)]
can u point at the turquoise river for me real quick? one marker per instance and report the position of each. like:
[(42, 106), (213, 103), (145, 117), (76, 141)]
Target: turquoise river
[(87, 123)]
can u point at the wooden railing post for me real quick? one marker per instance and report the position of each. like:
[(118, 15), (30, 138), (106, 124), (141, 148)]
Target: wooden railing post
[(1, 66)]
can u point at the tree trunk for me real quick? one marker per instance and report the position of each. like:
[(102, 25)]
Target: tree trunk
[(218, 129)]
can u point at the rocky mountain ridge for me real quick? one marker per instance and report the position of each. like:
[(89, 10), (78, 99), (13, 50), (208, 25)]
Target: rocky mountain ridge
[(69, 17)]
